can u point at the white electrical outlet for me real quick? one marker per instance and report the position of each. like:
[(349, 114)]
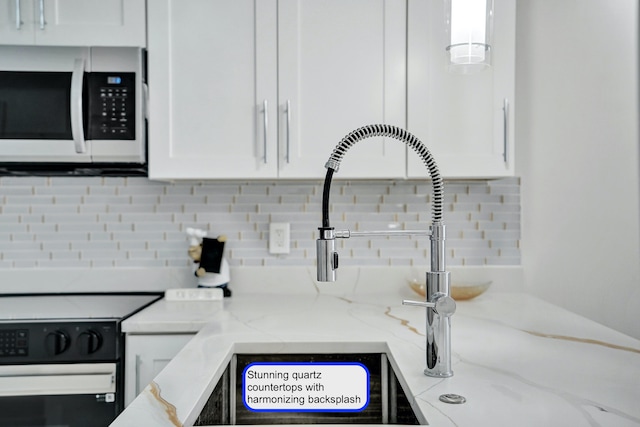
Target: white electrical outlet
[(279, 238)]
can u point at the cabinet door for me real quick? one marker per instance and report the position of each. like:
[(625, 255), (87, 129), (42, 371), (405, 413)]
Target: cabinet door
[(73, 22), (212, 72), (341, 66), (466, 121), (17, 22), (146, 356), (90, 22)]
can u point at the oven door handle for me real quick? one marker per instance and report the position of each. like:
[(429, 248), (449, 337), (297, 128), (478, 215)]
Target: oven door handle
[(77, 125), (38, 380)]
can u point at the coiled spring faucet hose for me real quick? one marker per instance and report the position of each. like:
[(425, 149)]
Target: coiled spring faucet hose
[(395, 132)]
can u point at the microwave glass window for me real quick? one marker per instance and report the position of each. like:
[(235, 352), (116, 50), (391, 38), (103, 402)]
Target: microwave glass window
[(35, 105)]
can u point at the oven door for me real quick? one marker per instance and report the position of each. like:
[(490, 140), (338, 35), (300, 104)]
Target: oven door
[(70, 395)]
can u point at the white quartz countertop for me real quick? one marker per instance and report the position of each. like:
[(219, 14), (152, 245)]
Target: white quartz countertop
[(516, 359)]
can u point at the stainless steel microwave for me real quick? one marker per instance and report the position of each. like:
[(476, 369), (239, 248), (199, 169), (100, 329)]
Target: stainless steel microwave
[(72, 106)]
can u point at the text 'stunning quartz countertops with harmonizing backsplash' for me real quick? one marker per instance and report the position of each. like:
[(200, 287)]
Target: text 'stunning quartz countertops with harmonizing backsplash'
[(517, 359)]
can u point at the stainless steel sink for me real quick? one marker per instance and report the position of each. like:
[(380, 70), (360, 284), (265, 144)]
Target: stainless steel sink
[(388, 404)]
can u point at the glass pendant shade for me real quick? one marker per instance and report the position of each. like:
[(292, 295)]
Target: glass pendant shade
[(469, 25)]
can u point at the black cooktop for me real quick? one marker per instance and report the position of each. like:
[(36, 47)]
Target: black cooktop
[(73, 306)]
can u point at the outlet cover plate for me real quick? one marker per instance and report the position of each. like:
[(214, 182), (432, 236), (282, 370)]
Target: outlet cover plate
[(279, 237)]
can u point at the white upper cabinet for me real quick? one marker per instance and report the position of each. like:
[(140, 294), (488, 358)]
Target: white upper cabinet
[(266, 89), (466, 120), (73, 22), (212, 89), (341, 66)]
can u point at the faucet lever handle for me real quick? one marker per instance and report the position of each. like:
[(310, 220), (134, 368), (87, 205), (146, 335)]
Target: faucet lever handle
[(444, 305)]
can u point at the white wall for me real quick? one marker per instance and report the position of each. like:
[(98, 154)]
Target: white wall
[(577, 141)]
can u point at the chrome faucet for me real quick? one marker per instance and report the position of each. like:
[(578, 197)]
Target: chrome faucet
[(440, 306)]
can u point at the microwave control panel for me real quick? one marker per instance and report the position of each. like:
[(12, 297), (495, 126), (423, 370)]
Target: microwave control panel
[(112, 109)]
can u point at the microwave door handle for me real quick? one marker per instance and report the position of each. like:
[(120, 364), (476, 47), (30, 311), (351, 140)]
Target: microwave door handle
[(18, 15), (77, 127), (42, 21)]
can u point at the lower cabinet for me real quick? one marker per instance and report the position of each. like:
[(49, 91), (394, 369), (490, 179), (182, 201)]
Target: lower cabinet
[(146, 356)]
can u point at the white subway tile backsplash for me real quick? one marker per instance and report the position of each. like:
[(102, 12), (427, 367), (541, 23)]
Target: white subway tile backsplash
[(70, 217), (140, 189), (74, 236), (244, 208), (406, 199), (64, 222), (102, 263), (59, 255), (357, 188), (277, 207), (55, 246), (31, 263), (134, 245), (64, 227), (24, 263), (141, 254), (19, 245), (94, 245), (407, 262), (21, 255), (140, 209), (9, 218), (101, 190), (17, 191), (19, 209), (30, 181), (100, 236), (30, 200), (106, 200), (142, 217), (257, 188), (22, 237), (100, 254)]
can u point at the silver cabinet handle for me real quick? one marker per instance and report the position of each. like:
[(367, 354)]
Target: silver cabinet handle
[(137, 375), (265, 125), (77, 127), (42, 23), (505, 109), (288, 130), (18, 15)]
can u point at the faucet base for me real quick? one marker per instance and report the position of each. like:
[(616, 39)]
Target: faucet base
[(430, 373)]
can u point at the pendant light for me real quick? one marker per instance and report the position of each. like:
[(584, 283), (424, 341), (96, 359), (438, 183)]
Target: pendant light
[(469, 26)]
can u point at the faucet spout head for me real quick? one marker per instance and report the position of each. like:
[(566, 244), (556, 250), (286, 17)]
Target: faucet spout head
[(326, 255)]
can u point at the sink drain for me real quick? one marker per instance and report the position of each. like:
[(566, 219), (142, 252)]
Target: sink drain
[(452, 398)]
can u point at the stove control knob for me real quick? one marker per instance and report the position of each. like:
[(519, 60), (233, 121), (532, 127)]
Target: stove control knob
[(89, 342), (57, 342)]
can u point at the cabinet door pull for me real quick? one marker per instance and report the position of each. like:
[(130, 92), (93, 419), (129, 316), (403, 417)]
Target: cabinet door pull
[(505, 109), (137, 375), (288, 130), (265, 125), (18, 15), (42, 23)]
